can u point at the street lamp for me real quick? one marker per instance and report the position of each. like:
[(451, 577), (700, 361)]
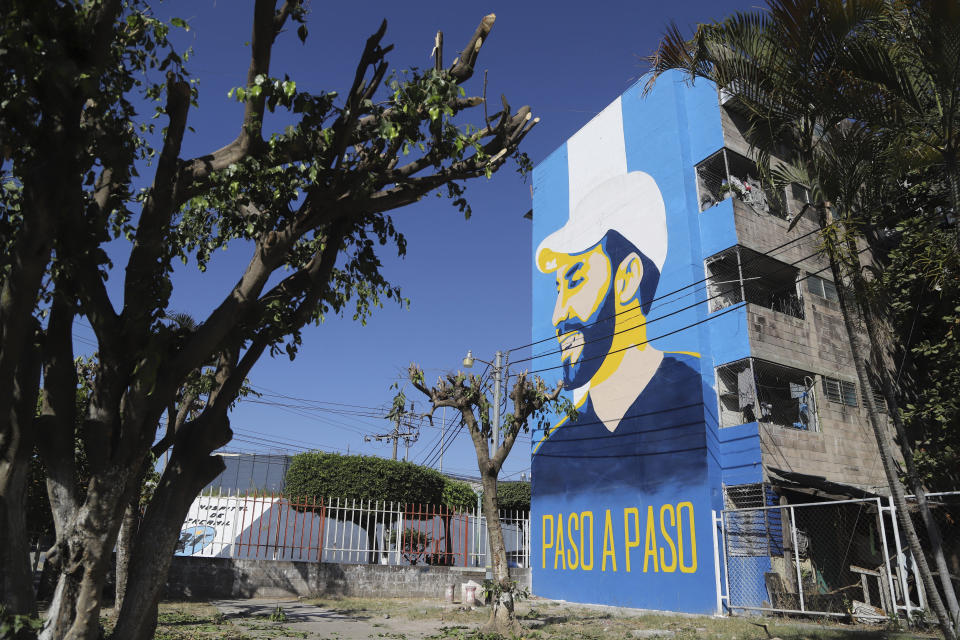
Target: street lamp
[(498, 367)]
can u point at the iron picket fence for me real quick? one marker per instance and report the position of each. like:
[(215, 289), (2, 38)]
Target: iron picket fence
[(278, 527)]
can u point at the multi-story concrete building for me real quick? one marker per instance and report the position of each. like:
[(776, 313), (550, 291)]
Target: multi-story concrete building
[(700, 339)]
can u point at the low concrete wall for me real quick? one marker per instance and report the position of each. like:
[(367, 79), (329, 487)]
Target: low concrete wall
[(193, 577)]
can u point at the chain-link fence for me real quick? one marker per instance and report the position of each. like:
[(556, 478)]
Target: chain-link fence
[(839, 558), (945, 510)]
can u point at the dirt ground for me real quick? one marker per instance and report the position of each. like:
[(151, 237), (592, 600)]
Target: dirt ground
[(415, 619)]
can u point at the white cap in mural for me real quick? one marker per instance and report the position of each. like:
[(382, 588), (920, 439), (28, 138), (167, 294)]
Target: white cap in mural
[(604, 196)]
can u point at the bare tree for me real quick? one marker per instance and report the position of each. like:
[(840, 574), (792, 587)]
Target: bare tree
[(313, 199), (532, 401)]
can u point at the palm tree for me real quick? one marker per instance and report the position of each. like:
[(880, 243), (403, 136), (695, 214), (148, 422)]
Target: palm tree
[(912, 82), (795, 69)]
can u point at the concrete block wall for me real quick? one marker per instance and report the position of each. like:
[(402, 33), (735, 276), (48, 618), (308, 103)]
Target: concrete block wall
[(205, 578), (844, 450)]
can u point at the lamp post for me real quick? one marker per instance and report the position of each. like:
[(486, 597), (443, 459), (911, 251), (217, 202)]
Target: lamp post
[(498, 367)]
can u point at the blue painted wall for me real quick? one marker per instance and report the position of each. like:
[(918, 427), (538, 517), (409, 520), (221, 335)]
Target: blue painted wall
[(623, 494)]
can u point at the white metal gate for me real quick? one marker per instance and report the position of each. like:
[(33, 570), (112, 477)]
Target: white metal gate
[(835, 558)]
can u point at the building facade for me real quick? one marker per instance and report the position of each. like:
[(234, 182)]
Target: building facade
[(700, 339)]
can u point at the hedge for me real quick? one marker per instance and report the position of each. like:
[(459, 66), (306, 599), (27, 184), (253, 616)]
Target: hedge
[(331, 475), (513, 496)]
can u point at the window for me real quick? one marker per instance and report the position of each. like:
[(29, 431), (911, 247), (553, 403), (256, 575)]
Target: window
[(823, 288), (752, 532), (840, 391), (752, 390), (727, 174), (739, 274)]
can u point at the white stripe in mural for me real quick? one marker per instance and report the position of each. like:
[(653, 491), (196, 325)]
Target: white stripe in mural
[(596, 153)]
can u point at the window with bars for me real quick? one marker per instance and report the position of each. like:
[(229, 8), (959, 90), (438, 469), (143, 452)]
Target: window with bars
[(754, 390), (739, 274), (821, 287), (727, 174), (840, 391), (752, 532)]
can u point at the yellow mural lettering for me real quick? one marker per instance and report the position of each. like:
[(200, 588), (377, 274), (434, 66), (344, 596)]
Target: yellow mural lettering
[(668, 567), (560, 552), (650, 548), (627, 542), (668, 539), (573, 522), (546, 545), (608, 545), (684, 568), (584, 516)]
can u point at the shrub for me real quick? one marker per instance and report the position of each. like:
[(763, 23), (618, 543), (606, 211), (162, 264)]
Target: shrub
[(513, 496), (324, 475)]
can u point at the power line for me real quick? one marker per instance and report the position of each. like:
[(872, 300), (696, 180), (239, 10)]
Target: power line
[(767, 253), (672, 313), (689, 326)]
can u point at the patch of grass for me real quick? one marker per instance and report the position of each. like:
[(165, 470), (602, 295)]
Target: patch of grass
[(195, 621), (272, 630)]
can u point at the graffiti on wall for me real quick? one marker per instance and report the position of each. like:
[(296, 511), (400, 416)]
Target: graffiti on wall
[(621, 491)]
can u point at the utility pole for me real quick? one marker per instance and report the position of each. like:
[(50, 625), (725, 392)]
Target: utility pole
[(410, 435), (497, 381), (443, 428), (396, 434)]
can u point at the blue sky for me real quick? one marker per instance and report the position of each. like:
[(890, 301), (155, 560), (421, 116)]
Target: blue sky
[(468, 281)]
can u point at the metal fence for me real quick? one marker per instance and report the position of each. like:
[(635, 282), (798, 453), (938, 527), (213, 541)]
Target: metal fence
[(839, 558), (277, 527)]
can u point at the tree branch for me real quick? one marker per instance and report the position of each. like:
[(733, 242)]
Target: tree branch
[(147, 261), (57, 422), (267, 24), (462, 67)]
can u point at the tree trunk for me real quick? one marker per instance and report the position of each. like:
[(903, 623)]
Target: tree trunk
[(886, 457), (890, 396), (189, 470), (16, 449), (502, 620), (84, 558), (16, 581), (128, 532), (447, 521)]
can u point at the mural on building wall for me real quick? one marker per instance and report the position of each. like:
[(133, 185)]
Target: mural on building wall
[(622, 493)]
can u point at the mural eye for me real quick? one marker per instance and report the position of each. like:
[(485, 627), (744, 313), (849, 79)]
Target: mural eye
[(573, 276)]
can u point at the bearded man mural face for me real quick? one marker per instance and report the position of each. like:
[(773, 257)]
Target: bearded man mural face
[(584, 313)]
